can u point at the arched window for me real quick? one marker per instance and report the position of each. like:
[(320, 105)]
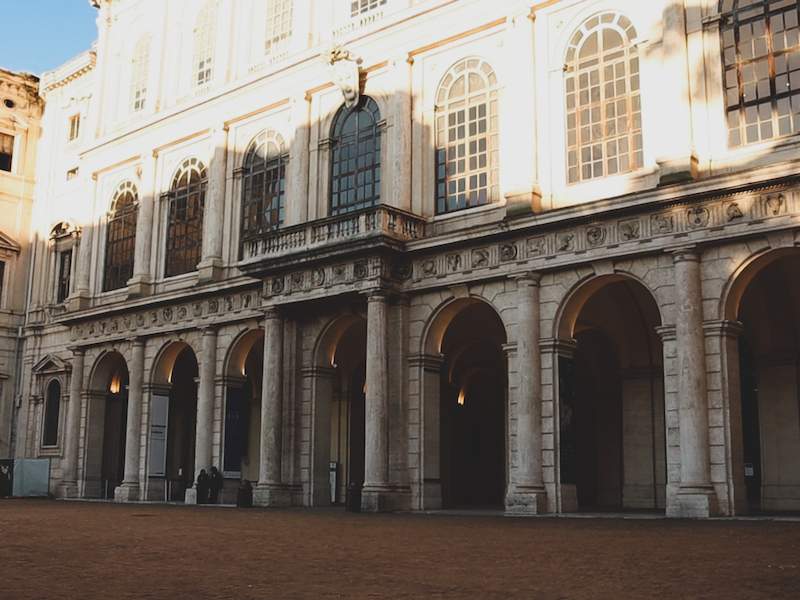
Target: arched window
[(279, 25), (204, 33), (52, 408), (604, 122), (356, 157), (761, 61), (185, 218), (466, 137), (139, 71), (263, 185), (121, 237)]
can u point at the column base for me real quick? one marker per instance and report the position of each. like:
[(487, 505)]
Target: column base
[(190, 496), (78, 301), (693, 502), (272, 495), (677, 170), (384, 498), (127, 492), (209, 270), (523, 203), (139, 287), (525, 501), (68, 489)]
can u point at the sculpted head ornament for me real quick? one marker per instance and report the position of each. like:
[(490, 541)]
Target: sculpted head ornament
[(345, 73)]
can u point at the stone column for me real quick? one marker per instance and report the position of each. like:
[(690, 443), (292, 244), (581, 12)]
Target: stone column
[(676, 157), (400, 137), (129, 490), (81, 293), (69, 469), (526, 494), (297, 169), (205, 409), (695, 496), (376, 460), (210, 264), (271, 491), (139, 284)]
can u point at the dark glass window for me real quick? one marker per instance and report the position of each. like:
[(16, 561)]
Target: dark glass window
[(466, 137), (121, 238), (185, 218), (263, 186), (64, 273), (761, 66), (356, 157), (6, 151), (52, 406), (358, 7)]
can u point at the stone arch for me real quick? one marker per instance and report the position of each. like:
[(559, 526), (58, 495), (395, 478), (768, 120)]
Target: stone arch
[(164, 361), (441, 318), (238, 351), (610, 401), (576, 298), (743, 276), (106, 424)]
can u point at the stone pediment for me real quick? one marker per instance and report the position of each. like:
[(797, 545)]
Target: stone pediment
[(51, 364), (9, 244)]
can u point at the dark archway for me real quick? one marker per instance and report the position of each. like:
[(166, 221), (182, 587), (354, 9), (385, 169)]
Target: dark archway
[(473, 400), (107, 425), (611, 395), (769, 359)]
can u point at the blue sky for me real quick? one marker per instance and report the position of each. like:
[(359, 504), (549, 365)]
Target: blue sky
[(39, 35)]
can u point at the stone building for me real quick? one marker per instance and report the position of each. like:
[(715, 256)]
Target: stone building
[(413, 254), (20, 112)]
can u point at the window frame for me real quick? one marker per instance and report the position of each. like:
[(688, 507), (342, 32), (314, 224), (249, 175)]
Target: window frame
[(340, 141), (194, 190), (577, 68), (447, 106), (120, 220), (46, 406), (271, 163), (74, 127), (204, 46), (11, 136), (729, 13)]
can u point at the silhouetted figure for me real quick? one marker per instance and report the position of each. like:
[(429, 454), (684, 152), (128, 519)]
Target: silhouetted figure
[(215, 483), (5, 483), (202, 486), (244, 498)]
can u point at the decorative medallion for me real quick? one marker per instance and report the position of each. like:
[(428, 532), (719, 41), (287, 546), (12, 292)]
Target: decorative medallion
[(537, 246), (566, 242), (629, 230), (595, 235), (733, 212), (296, 281), (213, 305), (453, 262), (403, 270), (429, 267), (167, 314), (360, 270), (774, 204), (697, 217), (662, 224), (480, 258), (277, 285), (508, 252), (318, 277)]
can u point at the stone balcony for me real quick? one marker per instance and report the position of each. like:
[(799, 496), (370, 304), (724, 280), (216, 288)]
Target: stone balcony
[(379, 226)]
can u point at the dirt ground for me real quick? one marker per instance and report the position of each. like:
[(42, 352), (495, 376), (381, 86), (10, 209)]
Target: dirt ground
[(80, 550)]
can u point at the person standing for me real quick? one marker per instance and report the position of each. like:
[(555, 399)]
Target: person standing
[(215, 484), (202, 487)]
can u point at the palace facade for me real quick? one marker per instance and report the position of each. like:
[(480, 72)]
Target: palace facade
[(413, 254)]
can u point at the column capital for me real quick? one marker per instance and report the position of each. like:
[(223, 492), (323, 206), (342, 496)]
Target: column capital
[(273, 312), (527, 279), (510, 348), (428, 362), (723, 328), (667, 333), (377, 295), (77, 350), (689, 253), (208, 329), (565, 348), (137, 340), (318, 372)]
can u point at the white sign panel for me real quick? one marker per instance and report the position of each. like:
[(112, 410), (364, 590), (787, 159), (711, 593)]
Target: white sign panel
[(159, 415)]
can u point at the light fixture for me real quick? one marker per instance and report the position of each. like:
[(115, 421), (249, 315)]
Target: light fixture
[(115, 384), (461, 397)]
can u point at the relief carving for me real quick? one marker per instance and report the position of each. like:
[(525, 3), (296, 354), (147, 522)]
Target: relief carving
[(453, 262), (566, 242), (537, 246), (429, 267), (508, 252), (360, 270), (733, 212), (774, 204), (480, 258), (595, 235), (663, 224), (697, 217), (629, 230)]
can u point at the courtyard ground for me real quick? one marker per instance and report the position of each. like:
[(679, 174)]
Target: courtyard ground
[(52, 549)]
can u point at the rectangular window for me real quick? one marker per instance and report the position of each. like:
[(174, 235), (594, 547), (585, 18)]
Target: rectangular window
[(72, 173), (279, 24), (359, 7), (6, 151), (64, 268), (2, 280), (74, 127)]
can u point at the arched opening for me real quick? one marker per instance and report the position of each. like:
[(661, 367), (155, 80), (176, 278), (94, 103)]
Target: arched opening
[(173, 420), (473, 409), (241, 444), (106, 426), (611, 399), (769, 361), (464, 402), (339, 409)]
